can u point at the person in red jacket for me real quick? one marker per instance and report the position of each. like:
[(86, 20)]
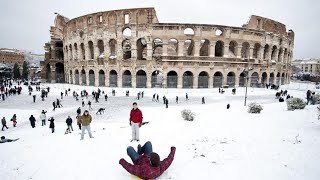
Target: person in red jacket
[(146, 163), (135, 121)]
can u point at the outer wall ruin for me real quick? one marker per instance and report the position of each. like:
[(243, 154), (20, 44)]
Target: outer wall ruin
[(130, 48)]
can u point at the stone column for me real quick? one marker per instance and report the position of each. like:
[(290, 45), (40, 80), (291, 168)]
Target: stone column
[(80, 77), (197, 48), (87, 52), (212, 49), (239, 51), (119, 79), (134, 50), (261, 52), (149, 50), (106, 49), (134, 80), (119, 51), (180, 48), (148, 80), (96, 52), (210, 82), (237, 79), (251, 52), (276, 55), (226, 51), (195, 82), (165, 48), (96, 77), (179, 81), (106, 79)]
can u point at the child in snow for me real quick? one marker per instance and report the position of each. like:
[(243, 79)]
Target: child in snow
[(14, 120)]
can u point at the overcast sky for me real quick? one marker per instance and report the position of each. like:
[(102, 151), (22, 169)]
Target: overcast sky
[(24, 24)]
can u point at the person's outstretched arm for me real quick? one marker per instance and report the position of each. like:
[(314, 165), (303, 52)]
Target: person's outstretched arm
[(133, 169), (167, 161)]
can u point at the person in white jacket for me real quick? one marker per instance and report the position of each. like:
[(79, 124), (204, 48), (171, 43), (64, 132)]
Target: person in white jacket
[(43, 117)]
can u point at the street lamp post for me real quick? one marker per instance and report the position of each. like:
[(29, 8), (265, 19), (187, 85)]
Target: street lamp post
[(246, 72)]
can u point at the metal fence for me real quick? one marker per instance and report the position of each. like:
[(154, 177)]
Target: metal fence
[(76, 79), (203, 81), (172, 81), (141, 81), (187, 81), (126, 81), (102, 79), (231, 81), (113, 80), (217, 81)]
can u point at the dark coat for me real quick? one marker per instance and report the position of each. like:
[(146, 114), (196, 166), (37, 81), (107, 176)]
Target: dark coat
[(51, 123), (69, 121)]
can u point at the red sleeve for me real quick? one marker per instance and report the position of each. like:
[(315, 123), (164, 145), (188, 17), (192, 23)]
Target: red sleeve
[(132, 169), (167, 161), (141, 117), (130, 116)]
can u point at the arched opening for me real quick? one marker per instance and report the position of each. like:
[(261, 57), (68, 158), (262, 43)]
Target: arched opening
[(91, 78), (242, 79), (219, 49), (70, 51), (271, 79), (285, 55), (83, 77), (112, 46), (274, 52), (101, 48), (76, 77), (204, 47), (141, 79), (256, 50), (173, 47), (233, 49), (172, 79), (254, 79), (102, 78), (188, 31), (48, 73), (280, 55), (188, 48), (90, 43), (203, 80), (156, 79), (187, 79), (266, 51), (218, 32), (231, 79), (60, 73), (75, 51), (217, 79), (113, 78), (157, 48), (282, 79), (278, 79), (71, 77), (264, 78), (126, 47), (66, 50), (126, 33), (141, 49), (83, 52), (126, 79), (59, 50), (245, 50)]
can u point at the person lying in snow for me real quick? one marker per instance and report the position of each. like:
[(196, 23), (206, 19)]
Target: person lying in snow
[(146, 163), (4, 140)]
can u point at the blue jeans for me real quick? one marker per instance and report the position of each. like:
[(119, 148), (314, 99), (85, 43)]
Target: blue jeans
[(145, 149)]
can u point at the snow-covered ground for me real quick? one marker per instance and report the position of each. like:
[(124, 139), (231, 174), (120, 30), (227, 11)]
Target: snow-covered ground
[(220, 144)]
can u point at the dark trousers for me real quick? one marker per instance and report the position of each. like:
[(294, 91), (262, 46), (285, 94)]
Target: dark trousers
[(43, 122), (52, 130), (70, 127), (79, 126), (4, 125), (145, 149)]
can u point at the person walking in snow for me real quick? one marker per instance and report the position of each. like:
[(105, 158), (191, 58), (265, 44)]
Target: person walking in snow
[(146, 163), (51, 125), (78, 122), (61, 95), (135, 121), (78, 111), (89, 104), (43, 118), (4, 123), (167, 102), (187, 97), (85, 121), (34, 98), (177, 99), (32, 121), (83, 103), (54, 105), (69, 123), (157, 97), (14, 120), (203, 101)]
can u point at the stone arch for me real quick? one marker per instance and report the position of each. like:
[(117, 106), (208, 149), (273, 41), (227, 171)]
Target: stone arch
[(254, 79), (219, 48), (282, 78), (60, 73), (172, 47), (278, 78), (126, 79), (48, 73), (266, 51), (187, 79), (113, 49), (217, 79), (172, 79), (156, 78), (231, 79), (188, 31), (141, 49), (76, 77), (113, 78), (274, 52), (75, 51), (188, 47), (90, 44), (141, 79), (264, 78), (126, 47), (84, 77), (245, 50), (256, 50), (126, 32), (91, 78), (242, 79), (271, 78), (233, 45), (102, 78), (204, 47), (285, 55), (157, 47), (59, 50), (203, 80)]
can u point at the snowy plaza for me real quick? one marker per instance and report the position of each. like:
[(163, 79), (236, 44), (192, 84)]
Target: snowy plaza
[(220, 143)]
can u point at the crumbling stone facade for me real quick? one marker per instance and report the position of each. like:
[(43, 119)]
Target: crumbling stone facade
[(130, 48)]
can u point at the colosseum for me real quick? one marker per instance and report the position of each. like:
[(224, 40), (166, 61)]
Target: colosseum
[(130, 48)]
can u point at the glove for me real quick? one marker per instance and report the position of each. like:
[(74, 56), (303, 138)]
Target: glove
[(140, 125), (121, 160), (130, 123), (173, 148)]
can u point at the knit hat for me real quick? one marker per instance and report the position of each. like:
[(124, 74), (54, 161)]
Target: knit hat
[(154, 159)]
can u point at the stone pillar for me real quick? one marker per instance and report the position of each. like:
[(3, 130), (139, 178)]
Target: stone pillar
[(149, 50), (106, 79), (96, 77), (180, 48), (212, 49), (119, 51), (210, 82), (53, 75), (276, 55), (134, 80), (148, 80), (226, 51), (179, 81), (237, 79), (53, 52), (80, 77), (134, 50), (197, 48), (106, 49), (281, 58), (96, 52), (87, 77), (261, 52), (87, 52), (195, 82), (119, 79), (251, 52), (239, 51), (165, 48)]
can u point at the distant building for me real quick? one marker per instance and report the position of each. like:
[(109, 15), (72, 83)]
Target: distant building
[(11, 56), (311, 66)]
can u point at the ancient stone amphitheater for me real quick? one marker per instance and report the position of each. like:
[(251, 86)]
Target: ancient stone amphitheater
[(130, 48)]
